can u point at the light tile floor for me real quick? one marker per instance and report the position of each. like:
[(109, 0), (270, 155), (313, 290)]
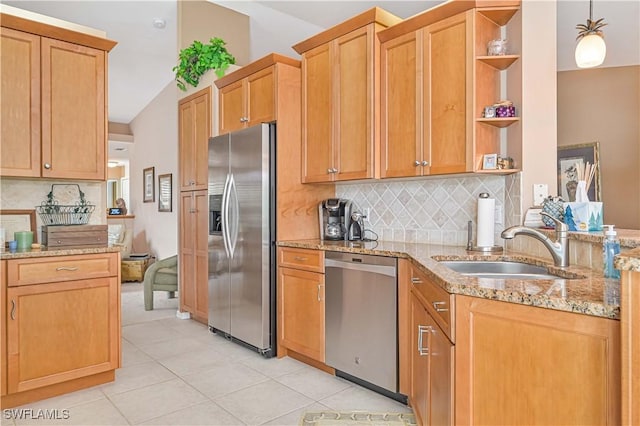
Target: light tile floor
[(175, 372)]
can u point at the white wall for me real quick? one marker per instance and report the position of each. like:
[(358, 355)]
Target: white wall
[(156, 145)]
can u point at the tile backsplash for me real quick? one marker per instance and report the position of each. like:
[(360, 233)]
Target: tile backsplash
[(25, 194), (429, 210)]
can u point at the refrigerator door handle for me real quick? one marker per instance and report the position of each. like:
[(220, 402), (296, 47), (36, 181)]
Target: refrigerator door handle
[(225, 216), (234, 216)]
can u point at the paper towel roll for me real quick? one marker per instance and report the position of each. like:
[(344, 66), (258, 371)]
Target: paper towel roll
[(485, 228)]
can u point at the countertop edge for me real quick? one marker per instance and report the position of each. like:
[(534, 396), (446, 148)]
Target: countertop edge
[(455, 283), (49, 252)]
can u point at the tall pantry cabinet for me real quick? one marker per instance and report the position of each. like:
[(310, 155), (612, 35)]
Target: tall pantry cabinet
[(54, 105), (194, 130)]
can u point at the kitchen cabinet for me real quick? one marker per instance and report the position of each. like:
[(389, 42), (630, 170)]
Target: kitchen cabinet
[(3, 328), (62, 323), (248, 102), (432, 354), (426, 77), (54, 102), (566, 364), (300, 305), (194, 255), (340, 88), (630, 334), (194, 123)]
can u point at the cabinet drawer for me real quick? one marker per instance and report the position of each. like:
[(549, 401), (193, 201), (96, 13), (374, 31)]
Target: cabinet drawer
[(439, 302), (61, 268), (306, 259)]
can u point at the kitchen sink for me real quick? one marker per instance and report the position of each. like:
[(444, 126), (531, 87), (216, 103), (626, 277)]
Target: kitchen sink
[(500, 269)]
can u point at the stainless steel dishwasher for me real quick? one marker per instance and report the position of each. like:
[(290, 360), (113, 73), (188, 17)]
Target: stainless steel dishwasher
[(361, 319)]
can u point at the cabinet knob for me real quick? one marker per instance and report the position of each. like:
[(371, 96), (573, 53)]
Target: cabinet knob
[(416, 163), (425, 163), (334, 170), (47, 166), (329, 171)]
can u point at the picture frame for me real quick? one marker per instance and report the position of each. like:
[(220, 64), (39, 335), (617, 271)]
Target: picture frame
[(568, 156), (148, 185), (18, 220), (490, 162), (165, 197)]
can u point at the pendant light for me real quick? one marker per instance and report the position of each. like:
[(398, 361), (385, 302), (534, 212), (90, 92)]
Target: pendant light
[(591, 49)]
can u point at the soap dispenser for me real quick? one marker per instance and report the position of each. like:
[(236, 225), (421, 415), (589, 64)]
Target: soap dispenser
[(610, 250)]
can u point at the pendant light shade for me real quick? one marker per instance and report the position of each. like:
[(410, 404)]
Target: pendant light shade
[(590, 51)]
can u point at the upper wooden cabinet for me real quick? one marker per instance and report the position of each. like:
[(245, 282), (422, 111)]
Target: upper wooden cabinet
[(53, 103), (194, 124), (426, 96), (248, 96), (340, 88)]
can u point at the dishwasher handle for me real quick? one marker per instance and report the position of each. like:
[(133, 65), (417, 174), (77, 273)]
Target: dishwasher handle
[(363, 267)]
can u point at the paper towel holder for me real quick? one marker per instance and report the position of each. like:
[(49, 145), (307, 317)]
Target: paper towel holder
[(485, 249)]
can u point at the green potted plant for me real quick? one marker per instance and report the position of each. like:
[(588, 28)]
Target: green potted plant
[(199, 58)]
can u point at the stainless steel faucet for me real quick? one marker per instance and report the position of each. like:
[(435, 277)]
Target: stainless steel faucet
[(559, 249)]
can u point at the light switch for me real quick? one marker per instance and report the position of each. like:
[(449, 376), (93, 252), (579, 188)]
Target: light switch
[(540, 192)]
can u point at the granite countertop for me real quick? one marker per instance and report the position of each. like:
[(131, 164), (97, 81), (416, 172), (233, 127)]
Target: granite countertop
[(628, 261), (583, 291), (46, 252), (629, 238)]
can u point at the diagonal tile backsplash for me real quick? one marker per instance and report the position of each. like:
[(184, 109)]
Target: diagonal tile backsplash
[(428, 210)]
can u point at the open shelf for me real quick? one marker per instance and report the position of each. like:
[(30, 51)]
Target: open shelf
[(498, 171), (498, 122), (499, 15), (501, 62)]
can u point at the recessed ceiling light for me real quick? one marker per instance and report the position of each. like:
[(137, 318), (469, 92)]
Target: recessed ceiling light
[(159, 23)]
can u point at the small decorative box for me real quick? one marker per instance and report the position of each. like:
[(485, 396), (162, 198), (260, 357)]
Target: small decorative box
[(583, 217), (505, 111)]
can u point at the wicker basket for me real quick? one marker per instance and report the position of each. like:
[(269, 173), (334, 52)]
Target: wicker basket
[(53, 213)]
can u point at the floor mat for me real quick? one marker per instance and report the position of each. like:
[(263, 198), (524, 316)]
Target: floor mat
[(356, 418)]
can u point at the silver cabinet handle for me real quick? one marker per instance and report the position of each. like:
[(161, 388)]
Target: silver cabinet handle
[(436, 304), (335, 170), (300, 258), (319, 287), (329, 170), (416, 163), (421, 330), (415, 280), (13, 309), (425, 163), (192, 182), (67, 268), (47, 166)]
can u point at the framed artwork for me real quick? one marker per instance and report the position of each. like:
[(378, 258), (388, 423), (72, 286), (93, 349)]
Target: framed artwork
[(18, 220), (568, 157), (164, 193), (490, 162), (148, 185)]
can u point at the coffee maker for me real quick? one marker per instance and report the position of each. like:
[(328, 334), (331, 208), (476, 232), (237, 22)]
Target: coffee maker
[(335, 218)]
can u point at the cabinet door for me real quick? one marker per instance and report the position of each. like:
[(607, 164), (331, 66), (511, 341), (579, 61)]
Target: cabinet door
[(446, 87), (353, 96), (440, 376), (420, 336), (62, 331), (194, 231), (317, 98), (73, 111), (401, 86), (194, 122), (3, 327), (301, 311), (260, 99), (20, 104), (232, 107), (566, 364)]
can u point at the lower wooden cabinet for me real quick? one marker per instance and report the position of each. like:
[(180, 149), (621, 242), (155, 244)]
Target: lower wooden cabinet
[(518, 364), (431, 394), (630, 335), (301, 302), (194, 254), (60, 330)]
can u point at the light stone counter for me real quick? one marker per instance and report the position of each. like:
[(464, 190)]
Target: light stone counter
[(628, 261), (45, 252), (582, 290)]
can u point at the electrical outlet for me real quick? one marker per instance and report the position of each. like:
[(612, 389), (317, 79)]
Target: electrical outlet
[(540, 192), (365, 212)]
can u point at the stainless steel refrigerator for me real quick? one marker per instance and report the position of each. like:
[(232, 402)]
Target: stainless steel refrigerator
[(242, 242)]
